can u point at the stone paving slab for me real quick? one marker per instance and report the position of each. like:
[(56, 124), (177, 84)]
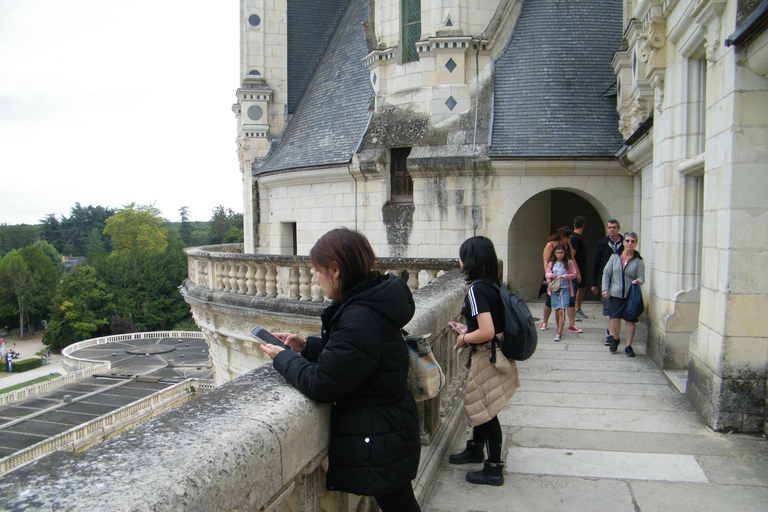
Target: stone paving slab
[(528, 493), (607, 377), (704, 443), (600, 401), (605, 464), (675, 422), (626, 391), (680, 497)]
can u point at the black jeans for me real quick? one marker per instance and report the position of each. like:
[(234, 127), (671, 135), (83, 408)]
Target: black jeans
[(402, 500), (490, 434)]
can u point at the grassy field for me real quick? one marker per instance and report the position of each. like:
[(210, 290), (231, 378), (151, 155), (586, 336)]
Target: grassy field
[(29, 383)]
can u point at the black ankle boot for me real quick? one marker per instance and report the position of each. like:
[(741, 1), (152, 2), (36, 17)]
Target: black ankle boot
[(473, 453), (490, 475)]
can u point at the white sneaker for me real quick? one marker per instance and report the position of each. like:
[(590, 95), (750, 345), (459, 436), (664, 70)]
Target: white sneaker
[(543, 326), (558, 337)]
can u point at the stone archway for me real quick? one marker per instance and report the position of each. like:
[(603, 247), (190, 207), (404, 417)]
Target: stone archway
[(532, 224)]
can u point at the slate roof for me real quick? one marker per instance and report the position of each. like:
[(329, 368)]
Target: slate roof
[(550, 83), (332, 114), (310, 26)]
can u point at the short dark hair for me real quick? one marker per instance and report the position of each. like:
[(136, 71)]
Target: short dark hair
[(347, 250), (578, 222), (479, 259), (613, 221)]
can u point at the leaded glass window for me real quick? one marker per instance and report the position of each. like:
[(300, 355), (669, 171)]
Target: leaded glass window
[(411, 16)]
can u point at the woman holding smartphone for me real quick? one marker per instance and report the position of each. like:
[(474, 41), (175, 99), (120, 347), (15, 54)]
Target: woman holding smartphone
[(360, 365), (492, 379)]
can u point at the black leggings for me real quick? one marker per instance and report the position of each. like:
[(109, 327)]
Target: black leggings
[(402, 500), (490, 434)]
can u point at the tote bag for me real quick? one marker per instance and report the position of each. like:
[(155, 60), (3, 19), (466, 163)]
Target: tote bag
[(425, 377), (633, 307)]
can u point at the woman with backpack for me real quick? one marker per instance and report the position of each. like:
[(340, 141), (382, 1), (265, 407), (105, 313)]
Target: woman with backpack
[(622, 270), (492, 379)]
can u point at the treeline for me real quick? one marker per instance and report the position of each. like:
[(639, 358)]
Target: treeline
[(129, 282)]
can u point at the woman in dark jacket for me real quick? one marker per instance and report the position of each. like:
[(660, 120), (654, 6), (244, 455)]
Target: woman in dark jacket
[(360, 365)]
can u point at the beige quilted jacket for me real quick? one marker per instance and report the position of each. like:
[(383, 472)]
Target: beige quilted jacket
[(489, 385)]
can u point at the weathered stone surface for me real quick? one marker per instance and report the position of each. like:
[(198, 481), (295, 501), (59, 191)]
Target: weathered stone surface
[(233, 448)]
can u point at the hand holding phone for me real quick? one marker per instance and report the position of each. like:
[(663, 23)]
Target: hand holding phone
[(454, 327), (266, 337)]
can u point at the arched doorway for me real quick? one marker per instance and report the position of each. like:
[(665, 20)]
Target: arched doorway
[(531, 226)]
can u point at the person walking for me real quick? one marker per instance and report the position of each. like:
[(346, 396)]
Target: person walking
[(560, 286), (580, 256), (606, 247), (492, 379), (359, 364), (621, 271), (562, 236)]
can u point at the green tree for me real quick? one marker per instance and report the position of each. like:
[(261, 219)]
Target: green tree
[(16, 237), (96, 249), (83, 309), (136, 227), (225, 226), (185, 231), (51, 232), (145, 285), (28, 280), (76, 229)]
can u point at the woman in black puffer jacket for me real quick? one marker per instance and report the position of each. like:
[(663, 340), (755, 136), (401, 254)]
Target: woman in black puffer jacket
[(360, 365)]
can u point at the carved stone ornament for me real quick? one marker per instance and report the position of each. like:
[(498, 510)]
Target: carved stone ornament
[(243, 149), (651, 45), (657, 82), (708, 15)]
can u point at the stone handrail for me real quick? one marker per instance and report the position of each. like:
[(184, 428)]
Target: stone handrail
[(253, 443), (94, 431), (72, 363), (224, 268), (53, 384)]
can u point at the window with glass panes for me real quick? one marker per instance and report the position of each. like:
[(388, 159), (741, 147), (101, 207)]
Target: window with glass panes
[(411, 16)]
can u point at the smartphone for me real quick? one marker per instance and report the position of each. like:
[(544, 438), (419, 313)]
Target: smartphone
[(453, 327), (264, 336)]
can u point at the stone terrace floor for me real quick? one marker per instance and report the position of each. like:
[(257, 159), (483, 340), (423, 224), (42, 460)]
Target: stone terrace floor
[(593, 431)]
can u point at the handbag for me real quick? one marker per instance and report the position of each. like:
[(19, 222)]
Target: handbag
[(633, 306), (425, 377), (554, 285)]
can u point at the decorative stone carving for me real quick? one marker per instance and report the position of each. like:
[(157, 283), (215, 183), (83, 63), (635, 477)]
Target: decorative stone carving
[(708, 15)]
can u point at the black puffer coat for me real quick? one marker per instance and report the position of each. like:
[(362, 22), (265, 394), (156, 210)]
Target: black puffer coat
[(360, 365)]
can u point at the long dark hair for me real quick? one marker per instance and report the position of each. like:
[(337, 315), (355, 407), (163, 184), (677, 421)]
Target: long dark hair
[(566, 258), (347, 250), (479, 258), (561, 233)]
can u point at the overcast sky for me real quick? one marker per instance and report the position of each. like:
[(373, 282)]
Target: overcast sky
[(108, 102)]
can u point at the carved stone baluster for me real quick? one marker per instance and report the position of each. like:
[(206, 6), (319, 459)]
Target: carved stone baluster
[(233, 277), (305, 280), (271, 278), (261, 280), (223, 276), (293, 283), (413, 279), (241, 277), (250, 281), (317, 291), (431, 275)]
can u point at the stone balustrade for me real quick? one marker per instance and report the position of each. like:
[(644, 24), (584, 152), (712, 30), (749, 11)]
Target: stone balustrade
[(254, 443), (224, 268)]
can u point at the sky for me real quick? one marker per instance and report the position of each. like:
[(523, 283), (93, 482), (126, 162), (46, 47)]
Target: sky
[(108, 102)]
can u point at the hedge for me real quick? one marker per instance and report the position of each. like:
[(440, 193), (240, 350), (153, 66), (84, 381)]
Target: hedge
[(23, 365)]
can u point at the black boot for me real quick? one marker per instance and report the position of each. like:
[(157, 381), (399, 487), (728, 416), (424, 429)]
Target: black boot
[(490, 475), (473, 453)]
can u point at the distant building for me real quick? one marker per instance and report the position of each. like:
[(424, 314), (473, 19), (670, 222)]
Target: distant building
[(423, 122), (71, 262)]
